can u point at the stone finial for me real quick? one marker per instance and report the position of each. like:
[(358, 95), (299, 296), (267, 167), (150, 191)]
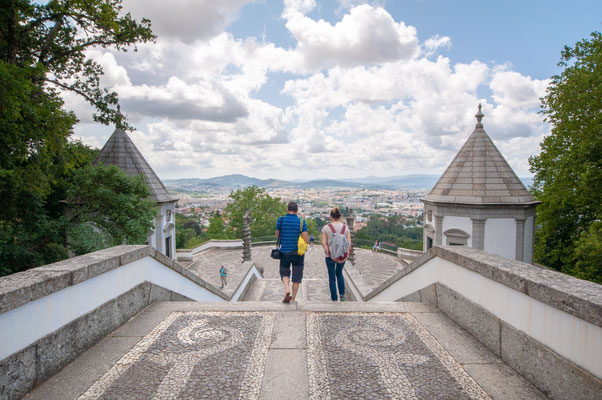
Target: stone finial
[(479, 116), (350, 222), (246, 236), (119, 118)]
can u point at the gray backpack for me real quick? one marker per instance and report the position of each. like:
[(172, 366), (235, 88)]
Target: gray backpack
[(338, 244)]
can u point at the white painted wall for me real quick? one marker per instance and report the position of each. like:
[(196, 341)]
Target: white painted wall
[(252, 272), (161, 221), (462, 223), (571, 337), (500, 237), (529, 240), (24, 325)]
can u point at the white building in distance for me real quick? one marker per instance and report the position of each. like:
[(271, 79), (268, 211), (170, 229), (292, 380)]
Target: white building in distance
[(480, 202)]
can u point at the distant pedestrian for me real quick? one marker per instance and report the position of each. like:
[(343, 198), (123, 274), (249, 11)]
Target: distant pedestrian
[(288, 228), (378, 248), (311, 239), (375, 246), (223, 274), (336, 242)]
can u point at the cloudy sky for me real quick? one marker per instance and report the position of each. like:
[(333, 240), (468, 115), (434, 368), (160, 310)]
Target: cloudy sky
[(304, 89)]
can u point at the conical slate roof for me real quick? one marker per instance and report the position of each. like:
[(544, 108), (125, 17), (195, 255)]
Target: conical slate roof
[(119, 150), (479, 174)]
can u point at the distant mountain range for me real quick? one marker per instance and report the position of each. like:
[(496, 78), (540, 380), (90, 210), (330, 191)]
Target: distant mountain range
[(415, 181)]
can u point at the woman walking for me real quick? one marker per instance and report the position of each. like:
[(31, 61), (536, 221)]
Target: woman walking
[(336, 241)]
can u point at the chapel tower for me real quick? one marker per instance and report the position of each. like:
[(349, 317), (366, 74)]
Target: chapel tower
[(119, 150), (480, 202)]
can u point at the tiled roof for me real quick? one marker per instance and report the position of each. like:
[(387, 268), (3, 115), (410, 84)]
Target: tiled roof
[(479, 174), (122, 152)]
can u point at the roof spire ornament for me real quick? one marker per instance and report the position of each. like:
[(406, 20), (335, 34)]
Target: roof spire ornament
[(119, 118), (479, 116)]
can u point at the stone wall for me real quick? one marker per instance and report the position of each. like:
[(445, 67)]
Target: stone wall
[(545, 325), (50, 315)]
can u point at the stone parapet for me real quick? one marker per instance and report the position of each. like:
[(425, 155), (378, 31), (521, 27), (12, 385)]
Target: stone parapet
[(24, 287), (580, 298)]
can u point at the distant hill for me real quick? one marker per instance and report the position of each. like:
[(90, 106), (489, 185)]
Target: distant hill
[(236, 181)]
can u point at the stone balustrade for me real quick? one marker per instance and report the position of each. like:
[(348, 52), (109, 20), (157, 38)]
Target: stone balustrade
[(544, 324), (51, 314)]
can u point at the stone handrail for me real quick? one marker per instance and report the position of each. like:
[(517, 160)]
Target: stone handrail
[(575, 296), (213, 244), (71, 304), (544, 324)]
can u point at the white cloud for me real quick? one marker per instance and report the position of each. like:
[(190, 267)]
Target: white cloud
[(186, 20), (367, 35), (368, 98)]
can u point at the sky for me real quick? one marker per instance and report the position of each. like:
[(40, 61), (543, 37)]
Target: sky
[(309, 89)]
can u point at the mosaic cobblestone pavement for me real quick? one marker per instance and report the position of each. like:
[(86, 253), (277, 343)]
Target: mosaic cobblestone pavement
[(171, 362), (222, 355), (383, 356)]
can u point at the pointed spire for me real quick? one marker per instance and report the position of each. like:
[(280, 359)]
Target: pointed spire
[(479, 116)]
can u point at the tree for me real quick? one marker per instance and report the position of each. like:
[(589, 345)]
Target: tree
[(264, 210), (108, 208), (48, 40), (568, 171), (43, 51), (217, 228)]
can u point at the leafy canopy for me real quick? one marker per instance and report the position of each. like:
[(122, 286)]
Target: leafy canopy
[(568, 171), (43, 48), (264, 210), (108, 209), (49, 40)]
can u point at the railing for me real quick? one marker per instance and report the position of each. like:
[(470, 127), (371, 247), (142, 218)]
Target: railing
[(544, 324)]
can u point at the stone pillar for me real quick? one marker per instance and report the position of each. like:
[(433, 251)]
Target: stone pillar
[(438, 230), (478, 233), (520, 239), (159, 233), (350, 221), (246, 236)]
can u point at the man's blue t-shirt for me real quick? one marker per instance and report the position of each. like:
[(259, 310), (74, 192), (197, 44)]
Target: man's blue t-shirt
[(289, 232)]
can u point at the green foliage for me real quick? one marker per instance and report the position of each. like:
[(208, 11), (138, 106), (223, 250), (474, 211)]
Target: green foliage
[(588, 254), (43, 48), (107, 202), (391, 229), (217, 228), (264, 210), (568, 171), (189, 233), (49, 40)]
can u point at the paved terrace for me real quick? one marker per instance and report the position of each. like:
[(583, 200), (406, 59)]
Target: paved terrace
[(270, 350), (372, 268), (115, 324)]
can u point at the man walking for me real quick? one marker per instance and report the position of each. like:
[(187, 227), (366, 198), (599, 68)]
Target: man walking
[(223, 273), (288, 229)]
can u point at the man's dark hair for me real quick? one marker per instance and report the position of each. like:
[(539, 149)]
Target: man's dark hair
[(292, 206)]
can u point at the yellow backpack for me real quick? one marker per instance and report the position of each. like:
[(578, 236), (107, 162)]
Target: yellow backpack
[(301, 243)]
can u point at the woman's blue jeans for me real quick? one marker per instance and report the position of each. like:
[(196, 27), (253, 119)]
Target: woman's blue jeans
[(335, 277)]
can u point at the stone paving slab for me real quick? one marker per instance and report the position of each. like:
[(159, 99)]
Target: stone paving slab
[(271, 350), (374, 269)]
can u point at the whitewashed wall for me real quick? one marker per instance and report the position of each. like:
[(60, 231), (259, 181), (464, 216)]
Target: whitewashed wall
[(500, 237), (573, 338), (462, 223)]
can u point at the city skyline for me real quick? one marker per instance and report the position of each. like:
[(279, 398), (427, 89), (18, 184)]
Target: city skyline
[(334, 89)]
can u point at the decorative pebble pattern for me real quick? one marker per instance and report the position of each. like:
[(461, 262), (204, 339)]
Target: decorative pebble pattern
[(193, 355), (381, 356)]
